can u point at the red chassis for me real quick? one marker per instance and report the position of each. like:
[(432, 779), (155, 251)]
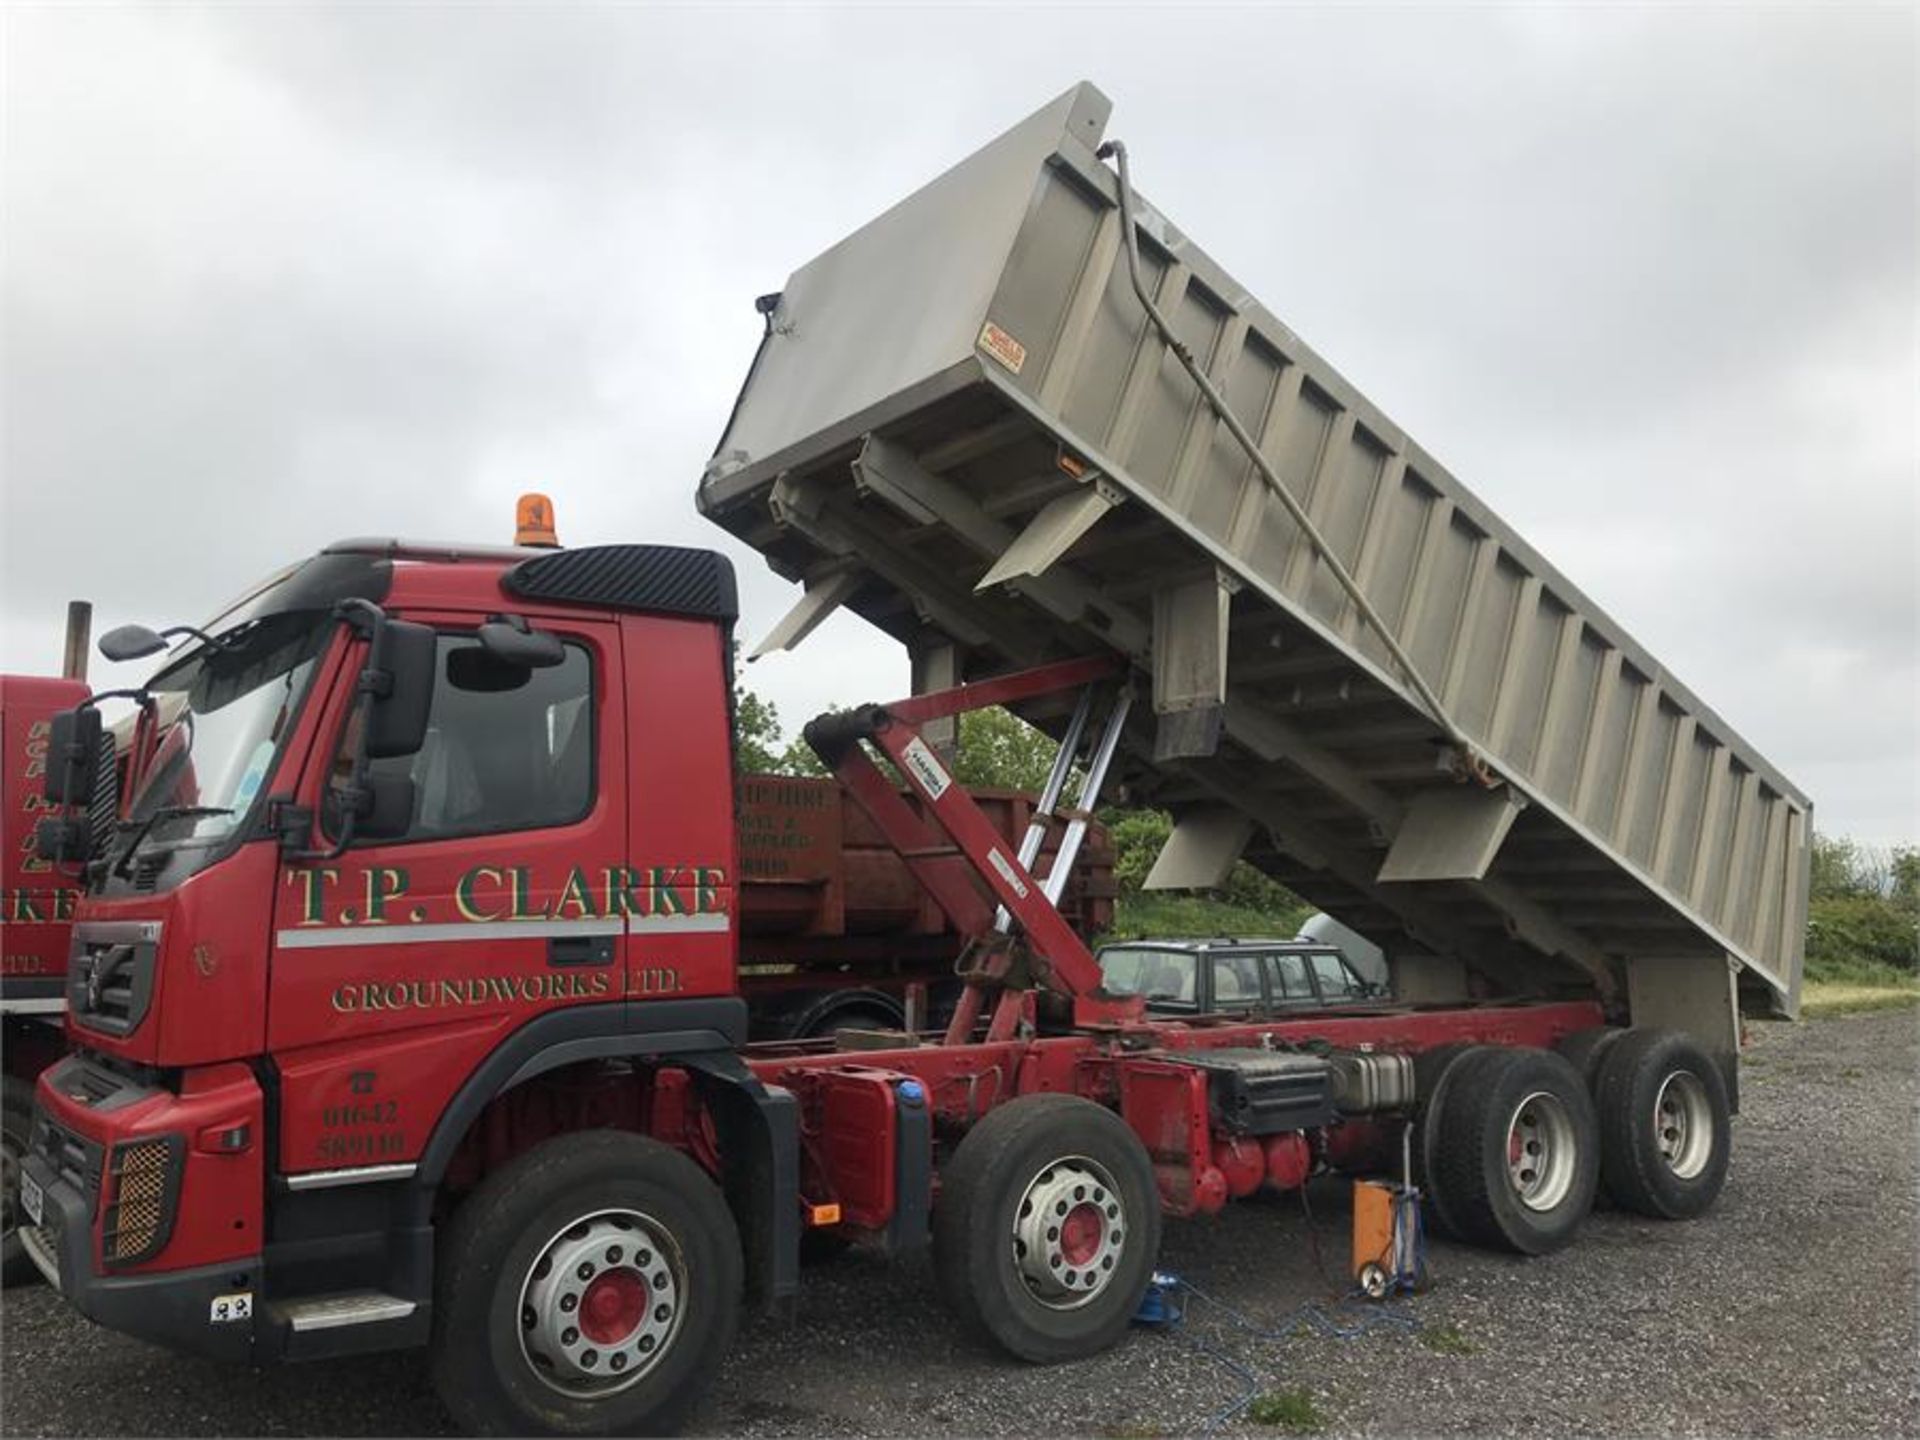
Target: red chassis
[(1118, 1058)]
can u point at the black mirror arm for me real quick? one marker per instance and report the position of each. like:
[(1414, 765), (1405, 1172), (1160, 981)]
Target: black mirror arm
[(139, 695)]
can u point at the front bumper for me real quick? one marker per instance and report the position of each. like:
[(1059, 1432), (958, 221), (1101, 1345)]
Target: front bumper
[(142, 1203), (209, 1310)]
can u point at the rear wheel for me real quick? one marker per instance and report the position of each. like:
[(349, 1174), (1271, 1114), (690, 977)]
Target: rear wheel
[(1665, 1126), (1047, 1228), (590, 1287), (16, 1111), (1516, 1150), (1433, 1075)]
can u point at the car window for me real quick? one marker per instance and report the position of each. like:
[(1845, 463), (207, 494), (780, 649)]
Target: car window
[(1290, 977), (1155, 975), (1336, 981), (1236, 982)]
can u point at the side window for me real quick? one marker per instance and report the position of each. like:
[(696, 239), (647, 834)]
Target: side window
[(1290, 980), (507, 748), (1335, 981), (1236, 982)]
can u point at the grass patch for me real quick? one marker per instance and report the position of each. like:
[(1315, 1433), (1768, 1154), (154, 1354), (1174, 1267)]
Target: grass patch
[(1446, 1340), (1293, 1410), (1823, 998)]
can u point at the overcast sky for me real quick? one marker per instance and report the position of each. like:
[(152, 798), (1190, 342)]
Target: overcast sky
[(1644, 279)]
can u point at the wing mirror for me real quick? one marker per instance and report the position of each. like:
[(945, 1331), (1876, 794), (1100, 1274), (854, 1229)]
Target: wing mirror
[(511, 642), (382, 808), (73, 756), (131, 642), (400, 679)]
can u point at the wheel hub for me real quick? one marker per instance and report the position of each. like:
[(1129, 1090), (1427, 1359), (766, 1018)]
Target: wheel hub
[(1683, 1124), (1541, 1151), (601, 1303), (1068, 1233)]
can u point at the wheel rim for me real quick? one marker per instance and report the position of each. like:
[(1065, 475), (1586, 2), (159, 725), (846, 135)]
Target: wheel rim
[(1541, 1151), (601, 1303), (1683, 1124), (1069, 1232)]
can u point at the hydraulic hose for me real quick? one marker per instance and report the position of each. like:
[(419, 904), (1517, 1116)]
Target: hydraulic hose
[(1117, 151)]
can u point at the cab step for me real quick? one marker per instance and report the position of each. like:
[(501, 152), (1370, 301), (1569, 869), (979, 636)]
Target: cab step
[(348, 1323)]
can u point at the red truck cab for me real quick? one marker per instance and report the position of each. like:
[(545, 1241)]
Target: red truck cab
[(262, 1013)]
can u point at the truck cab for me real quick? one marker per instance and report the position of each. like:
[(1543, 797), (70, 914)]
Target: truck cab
[(405, 817)]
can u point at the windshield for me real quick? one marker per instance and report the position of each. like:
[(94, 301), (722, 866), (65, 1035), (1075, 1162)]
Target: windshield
[(1166, 975), (223, 713)]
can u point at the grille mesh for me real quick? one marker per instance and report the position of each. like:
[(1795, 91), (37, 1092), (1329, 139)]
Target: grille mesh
[(141, 1213)]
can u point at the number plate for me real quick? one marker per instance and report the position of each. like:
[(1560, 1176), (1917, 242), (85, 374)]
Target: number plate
[(32, 1200), (227, 1309)]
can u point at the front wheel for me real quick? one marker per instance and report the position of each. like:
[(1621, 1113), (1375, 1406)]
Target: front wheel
[(1047, 1227), (590, 1287)]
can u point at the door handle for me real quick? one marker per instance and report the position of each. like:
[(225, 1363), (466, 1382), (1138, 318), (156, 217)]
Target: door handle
[(580, 950)]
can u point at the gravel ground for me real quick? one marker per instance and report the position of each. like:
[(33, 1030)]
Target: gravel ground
[(1792, 1309)]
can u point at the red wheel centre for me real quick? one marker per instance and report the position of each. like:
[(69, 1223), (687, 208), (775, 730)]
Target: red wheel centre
[(1081, 1232), (612, 1306)]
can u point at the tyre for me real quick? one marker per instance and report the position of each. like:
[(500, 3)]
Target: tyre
[(1584, 1050), (1665, 1125), (1433, 1072), (592, 1286), (857, 1018), (1515, 1151), (16, 1114), (1047, 1228)]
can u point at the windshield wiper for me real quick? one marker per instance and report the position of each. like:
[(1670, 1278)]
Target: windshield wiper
[(164, 812)]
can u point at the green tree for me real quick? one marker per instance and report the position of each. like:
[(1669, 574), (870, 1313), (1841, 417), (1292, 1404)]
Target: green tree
[(999, 749), (756, 733)]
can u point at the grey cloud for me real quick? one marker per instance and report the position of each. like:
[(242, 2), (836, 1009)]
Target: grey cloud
[(1644, 278)]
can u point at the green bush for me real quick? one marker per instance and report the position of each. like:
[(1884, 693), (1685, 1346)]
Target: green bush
[(1137, 836), (1849, 936)]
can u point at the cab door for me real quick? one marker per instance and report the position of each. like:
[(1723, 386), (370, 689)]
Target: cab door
[(399, 965)]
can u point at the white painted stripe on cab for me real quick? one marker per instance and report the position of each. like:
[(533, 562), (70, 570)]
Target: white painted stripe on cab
[(313, 937)]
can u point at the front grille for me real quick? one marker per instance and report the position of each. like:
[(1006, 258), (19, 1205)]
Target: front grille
[(146, 1183), (73, 1158), (110, 976)]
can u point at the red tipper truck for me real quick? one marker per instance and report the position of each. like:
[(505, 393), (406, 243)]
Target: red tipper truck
[(36, 915), (407, 1004)]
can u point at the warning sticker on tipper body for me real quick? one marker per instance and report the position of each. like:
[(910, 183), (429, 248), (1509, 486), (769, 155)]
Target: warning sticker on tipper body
[(1003, 347)]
